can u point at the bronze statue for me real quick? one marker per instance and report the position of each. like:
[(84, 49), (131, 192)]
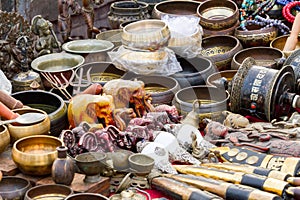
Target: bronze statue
[(47, 40), (89, 16), (64, 23)]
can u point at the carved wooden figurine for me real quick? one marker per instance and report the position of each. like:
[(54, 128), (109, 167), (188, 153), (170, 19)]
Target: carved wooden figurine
[(89, 16)]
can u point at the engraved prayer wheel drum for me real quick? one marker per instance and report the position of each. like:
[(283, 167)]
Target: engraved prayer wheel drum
[(262, 92)]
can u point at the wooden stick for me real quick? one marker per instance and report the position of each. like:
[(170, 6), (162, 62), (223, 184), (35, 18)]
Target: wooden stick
[(292, 40), (6, 113)]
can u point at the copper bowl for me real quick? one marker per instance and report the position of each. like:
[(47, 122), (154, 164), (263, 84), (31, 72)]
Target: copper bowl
[(93, 50), (91, 164), (84, 196), (18, 131), (264, 56), (279, 43), (218, 15), (255, 36), (150, 34), (48, 191), (55, 64), (34, 155), (175, 8), (221, 49), (4, 138), (13, 187)]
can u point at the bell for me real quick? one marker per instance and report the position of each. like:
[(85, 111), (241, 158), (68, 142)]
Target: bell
[(192, 117)]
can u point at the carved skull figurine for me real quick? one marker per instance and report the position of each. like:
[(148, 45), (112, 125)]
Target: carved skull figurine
[(128, 94)]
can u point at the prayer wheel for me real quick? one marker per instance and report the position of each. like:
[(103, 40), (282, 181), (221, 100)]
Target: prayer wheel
[(263, 92)]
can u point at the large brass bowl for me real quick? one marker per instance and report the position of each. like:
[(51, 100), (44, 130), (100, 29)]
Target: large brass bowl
[(48, 191), (279, 43), (4, 138), (18, 131), (93, 50), (13, 187), (89, 196), (264, 56), (57, 63), (175, 8), (221, 49), (34, 155), (218, 15), (150, 34)]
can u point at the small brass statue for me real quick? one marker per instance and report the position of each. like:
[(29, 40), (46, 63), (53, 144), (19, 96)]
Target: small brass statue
[(47, 40), (89, 16), (64, 22)]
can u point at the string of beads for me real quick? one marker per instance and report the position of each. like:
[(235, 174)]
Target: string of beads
[(286, 11)]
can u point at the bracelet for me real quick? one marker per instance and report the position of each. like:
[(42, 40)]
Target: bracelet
[(286, 11)]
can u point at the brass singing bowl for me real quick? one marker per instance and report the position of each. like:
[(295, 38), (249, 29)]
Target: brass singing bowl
[(48, 191), (175, 8), (34, 155), (13, 187), (255, 36), (4, 138), (18, 131), (148, 34), (55, 64), (89, 196), (264, 56), (279, 43), (218, 15), (93, 50), (192, 39), (91, 164), (221, 49)]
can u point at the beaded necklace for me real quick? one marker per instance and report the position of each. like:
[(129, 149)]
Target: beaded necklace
[(286, 10)]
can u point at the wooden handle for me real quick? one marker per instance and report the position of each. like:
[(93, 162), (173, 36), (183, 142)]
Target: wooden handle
[(292, 40), (6, 113), (10, 101)]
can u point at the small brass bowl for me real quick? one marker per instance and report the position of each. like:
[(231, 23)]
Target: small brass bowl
[(93, 50), (255, 36), (91, 164), (19, 131), (227, 31), (150, 34), (279, 43), (175, 8), (13, 187), (140, 163), (221, 49), (48, 191), (264, 56), (4, 138), (218, 15), (34, 155), (86, 196), (113, 36), (56, 63)]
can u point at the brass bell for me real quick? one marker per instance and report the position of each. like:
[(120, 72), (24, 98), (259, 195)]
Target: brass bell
[(192, 117)]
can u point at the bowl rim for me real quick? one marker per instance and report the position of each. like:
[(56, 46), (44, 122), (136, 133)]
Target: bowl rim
[(28, 185), (54, 56), (47, 186), (36, 136), (91, 153), (141, 154), (86, 193), (108, 46)]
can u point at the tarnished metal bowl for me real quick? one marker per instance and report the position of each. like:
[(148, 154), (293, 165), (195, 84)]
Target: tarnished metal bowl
[(34, 155), (175, 8), (221, 49), (255, 36), (89, 196), (48, 191), (140, 163), (218, 15), (13, 187), (93, 50), (279, 43), (264, 56), (150, 34), (55, 64), (113, 36), (4, 138), (17, 131)]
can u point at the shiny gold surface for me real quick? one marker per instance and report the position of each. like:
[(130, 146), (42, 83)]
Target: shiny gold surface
[(34, 155), (4, 139), (19, 131), (150, 34), (57, 62), (48, 192)]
